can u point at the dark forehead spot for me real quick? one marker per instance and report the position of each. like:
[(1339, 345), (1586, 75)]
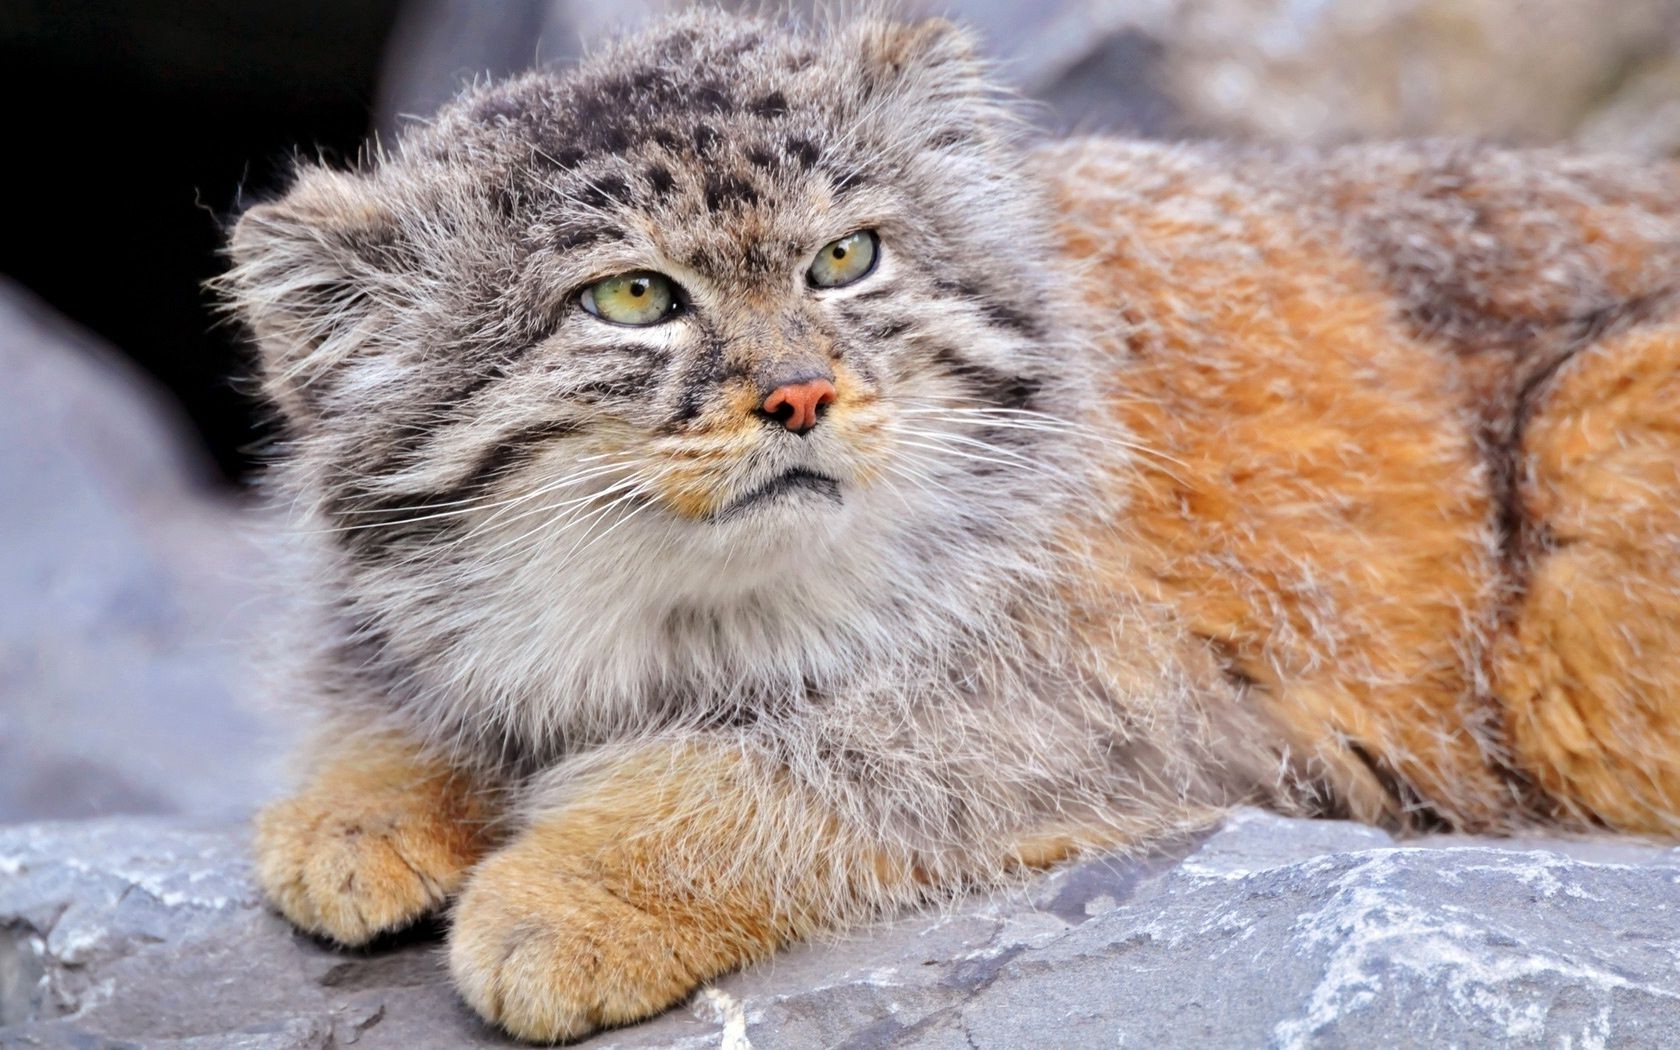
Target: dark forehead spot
[(760, 157), (596, 123), (724, 191), (849, 180), (611, 113), (608, 189), (706, 258), (711, 96), (659, 178), (762, 258), (804, 151), (578, 237), (772, 105)]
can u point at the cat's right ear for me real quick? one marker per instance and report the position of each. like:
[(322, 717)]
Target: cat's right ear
[(310, 273)]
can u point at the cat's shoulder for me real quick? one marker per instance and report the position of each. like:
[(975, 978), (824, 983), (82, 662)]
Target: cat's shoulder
[(1472, 236)]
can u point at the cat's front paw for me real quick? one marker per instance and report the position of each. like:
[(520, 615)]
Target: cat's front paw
[(352, 872), (548, 953)]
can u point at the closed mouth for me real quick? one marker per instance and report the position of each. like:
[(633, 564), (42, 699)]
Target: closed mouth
[(791, 484)]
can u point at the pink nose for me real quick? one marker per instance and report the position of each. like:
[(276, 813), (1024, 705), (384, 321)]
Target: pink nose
[(797, 406)]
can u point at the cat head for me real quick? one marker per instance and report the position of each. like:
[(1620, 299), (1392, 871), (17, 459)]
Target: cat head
[(750, 298)]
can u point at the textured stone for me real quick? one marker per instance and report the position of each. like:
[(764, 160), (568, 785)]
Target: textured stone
[(1264, 932)]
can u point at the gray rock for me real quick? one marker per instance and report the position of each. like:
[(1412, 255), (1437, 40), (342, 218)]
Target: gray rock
[(126, 593), (1264, 932)]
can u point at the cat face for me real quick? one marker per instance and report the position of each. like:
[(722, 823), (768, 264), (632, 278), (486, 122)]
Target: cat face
[(721, 290)]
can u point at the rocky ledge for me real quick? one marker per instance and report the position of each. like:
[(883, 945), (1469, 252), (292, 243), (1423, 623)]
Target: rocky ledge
[(1265, 932)]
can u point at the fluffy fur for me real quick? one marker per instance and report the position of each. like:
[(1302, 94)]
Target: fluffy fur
[(1158, 479)]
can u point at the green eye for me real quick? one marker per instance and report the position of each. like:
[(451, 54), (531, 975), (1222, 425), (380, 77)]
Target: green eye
[(639, 298), (846, 260)]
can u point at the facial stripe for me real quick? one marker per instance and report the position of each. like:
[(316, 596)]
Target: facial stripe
[(710, 370), (1002, 388), (377, 524), (997, 311)]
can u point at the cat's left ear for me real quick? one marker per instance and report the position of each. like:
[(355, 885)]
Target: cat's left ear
[(934, 58), (926, 83)]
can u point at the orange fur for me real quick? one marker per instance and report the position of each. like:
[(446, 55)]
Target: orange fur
[(1590, 669), (1318, 505), (1313, 506), (617, 903), (666, 866), (378, 837)]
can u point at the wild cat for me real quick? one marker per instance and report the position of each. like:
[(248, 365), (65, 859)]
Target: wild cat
[(749, 488)]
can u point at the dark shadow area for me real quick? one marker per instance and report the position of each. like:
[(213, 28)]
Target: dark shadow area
[(135, 128)]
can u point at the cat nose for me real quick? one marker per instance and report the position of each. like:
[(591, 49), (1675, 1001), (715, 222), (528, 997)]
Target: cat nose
[(799, 403)]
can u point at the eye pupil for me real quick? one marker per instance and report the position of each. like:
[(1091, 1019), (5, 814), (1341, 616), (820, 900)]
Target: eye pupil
[(839, 251), (638, 288)]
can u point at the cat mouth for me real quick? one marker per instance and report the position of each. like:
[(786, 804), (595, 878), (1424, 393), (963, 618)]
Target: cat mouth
[(794, 484)]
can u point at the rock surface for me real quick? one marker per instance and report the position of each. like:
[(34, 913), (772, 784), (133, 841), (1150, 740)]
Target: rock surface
[(126, 594), (1265, 932)]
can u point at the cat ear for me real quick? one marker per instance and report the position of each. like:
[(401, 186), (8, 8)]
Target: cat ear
[(308, 275), (935, 50), (934, 67)]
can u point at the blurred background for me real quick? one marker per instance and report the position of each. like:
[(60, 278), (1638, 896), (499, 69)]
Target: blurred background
[(131, 564)]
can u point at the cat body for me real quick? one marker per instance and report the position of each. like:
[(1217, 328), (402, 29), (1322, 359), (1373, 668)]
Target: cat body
[(1131, 482)]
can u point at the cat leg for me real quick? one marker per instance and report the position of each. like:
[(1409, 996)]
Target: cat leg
[(379, 836), (663, 867), (1589, 672)]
